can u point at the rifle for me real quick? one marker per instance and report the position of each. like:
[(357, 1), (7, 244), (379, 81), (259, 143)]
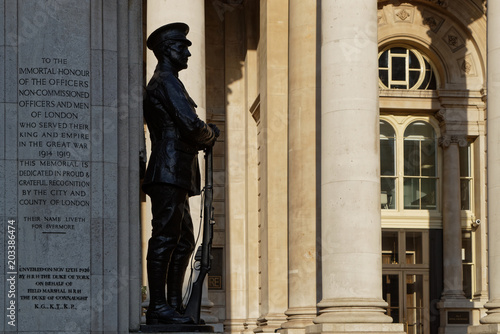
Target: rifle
[(193, 306)]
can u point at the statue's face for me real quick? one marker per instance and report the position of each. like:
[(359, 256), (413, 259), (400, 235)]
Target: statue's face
[(179, 55)]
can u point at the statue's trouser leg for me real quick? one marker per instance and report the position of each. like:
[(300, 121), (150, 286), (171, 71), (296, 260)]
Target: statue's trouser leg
[(179, 261), (168, 210)]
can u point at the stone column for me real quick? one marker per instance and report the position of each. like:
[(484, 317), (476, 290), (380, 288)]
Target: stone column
[(302, 194), (161, 12), (272, 139), (350, 177), (452, 232), (236, 178), (491, 323), (453, 297)]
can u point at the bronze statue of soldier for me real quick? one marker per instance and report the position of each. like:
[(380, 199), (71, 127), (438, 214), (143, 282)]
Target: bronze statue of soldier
[(172, 174)]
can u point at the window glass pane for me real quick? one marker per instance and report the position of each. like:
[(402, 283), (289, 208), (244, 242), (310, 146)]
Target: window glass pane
[(428, 156), (413, 78), (398, 68), (465, 194), (390, 254), (383, 60), (387, 149), (413, 61), (411, 193), (420, 130), (428, 194), (415, 303), (432, 83), (386, 130), (467, 280), (466, 246), (384, 76), (398, 50), (388, 193), (426, 81), (387, 158), (465, 161), (414, 248), (390, 291), (467, 262), (411, 157), (399, 86), (427, 65)]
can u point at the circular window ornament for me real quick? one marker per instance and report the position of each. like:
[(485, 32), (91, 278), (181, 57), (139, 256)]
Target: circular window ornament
[(405, 68)]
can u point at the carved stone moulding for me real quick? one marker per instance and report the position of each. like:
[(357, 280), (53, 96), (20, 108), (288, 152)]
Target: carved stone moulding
[(446, 140)]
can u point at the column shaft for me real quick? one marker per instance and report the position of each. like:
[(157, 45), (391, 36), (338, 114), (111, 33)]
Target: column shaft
[(350, 180), (452, 232), (302, 165), (453, 297), (236, 155), (493, 137), (491, 323)]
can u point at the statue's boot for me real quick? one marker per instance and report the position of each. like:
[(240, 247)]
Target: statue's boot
[(175, 278), (159, 311)]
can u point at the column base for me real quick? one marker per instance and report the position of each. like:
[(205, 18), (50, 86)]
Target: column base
[(292, 330), (298, 319), (235, 326), (355, 328), (355, 311), (269, 323), (493, 313), (484, 329)]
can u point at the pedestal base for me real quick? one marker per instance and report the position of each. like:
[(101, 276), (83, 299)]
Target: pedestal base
[(176, 328), (355, 328), (484, 329), (292, 330), (456, 316)]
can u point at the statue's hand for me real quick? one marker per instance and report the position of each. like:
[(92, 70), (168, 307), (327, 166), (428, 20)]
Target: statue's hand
[(215, 129)]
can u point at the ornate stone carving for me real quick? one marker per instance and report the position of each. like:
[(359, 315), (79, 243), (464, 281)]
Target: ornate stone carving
[(433, 21), (403, 15), (446, 140), (440, 115), (381, 19), (466, 66), (453, 39)]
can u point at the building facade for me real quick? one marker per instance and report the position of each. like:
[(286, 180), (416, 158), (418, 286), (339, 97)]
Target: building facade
[(355, 177)]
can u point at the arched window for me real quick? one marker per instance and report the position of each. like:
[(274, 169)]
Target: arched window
[(388, 165), (409, 166), (405, 68), (420, 168)]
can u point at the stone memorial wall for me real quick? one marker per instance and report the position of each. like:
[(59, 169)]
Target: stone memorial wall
[(66, 158), (54, 175)]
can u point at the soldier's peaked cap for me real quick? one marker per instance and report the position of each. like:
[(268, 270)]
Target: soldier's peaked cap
[(169, 32)]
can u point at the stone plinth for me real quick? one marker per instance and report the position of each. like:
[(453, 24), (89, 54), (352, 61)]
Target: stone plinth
[(174, 328), (484, 329), (456, 316), (355, 328)]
